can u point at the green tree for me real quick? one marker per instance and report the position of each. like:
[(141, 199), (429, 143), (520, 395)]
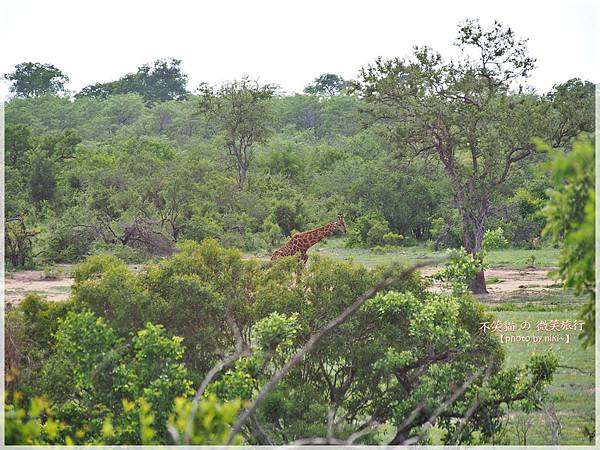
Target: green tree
[(573, 106), (466, 114), (17, 143), (327, 84), (42, 179), (93, 372), (60, 146), (33, 79), (570, 215), (160, 81), (240, 111)]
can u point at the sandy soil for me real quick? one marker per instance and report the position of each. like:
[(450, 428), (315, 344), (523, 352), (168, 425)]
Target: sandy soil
[(18, 284), (509, 280)]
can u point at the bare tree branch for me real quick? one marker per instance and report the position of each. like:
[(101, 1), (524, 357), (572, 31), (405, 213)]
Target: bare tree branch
[(240, 350), (442, 407)]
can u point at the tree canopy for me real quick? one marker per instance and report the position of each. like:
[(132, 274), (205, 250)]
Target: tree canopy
[(157, 82), (32, 79), (467, 114), (326, 84)]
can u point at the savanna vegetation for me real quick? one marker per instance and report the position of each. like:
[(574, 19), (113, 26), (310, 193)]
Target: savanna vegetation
[(208, 342)]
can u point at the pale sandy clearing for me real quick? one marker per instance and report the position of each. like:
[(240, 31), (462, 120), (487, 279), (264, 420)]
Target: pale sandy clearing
[(18, 284)]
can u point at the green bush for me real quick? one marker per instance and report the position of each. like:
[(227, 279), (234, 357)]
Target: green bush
[(37, 423), (127, 254), (446, 233), (289, 216), (117, 374), (67, 240), (393, 239), (93, 372), (368, 231), (494, 239), (458, 272), (526, 218), (29, 342)]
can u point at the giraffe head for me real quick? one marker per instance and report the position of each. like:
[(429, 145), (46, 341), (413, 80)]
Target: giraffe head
[(339, 224)]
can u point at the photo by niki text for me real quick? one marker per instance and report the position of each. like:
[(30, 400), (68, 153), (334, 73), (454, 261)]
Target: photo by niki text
[(550, 331)]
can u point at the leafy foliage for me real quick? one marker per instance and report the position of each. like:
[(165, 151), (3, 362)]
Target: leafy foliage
[(33, 79), (369, 230), (467, 115), (570, 216), (458, 272), (241, 114), (326, 84), (161, 81), (93, 372), (494, 239)]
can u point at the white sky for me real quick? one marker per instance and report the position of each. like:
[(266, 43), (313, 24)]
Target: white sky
[(283, 42)]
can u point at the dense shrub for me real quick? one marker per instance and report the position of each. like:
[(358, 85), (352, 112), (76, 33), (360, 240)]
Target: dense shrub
[(93, 372), (368, 230), (28, 337), (460, 269), (134, 344), (494, 239)]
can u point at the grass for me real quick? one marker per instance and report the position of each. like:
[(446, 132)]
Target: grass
[(492, 280), (572, 391), (520, 258), (546, 300), (513, 258), (66, 289), (573, 388)]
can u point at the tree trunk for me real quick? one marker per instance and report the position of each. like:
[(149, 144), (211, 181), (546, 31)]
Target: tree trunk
[(241, 178), (477, 285), (473, 232), (399, 438)]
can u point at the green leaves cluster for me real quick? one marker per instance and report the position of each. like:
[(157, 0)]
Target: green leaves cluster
[(32, 79), (570, 215), (92, 371), (459, 270), (160, 81), (494, 239), (369, 230)]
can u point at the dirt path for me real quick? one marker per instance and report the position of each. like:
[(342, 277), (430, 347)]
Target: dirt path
[(18, 284)]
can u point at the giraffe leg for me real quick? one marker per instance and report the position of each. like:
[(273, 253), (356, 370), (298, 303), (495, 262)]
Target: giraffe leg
[(304, 257)]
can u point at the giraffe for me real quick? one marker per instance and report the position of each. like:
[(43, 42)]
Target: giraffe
[(301, 242)]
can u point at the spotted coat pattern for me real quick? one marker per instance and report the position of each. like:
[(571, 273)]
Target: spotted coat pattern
[(301, 242)]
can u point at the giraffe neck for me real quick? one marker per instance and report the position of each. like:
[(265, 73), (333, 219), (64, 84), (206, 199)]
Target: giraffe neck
[(318, 234)]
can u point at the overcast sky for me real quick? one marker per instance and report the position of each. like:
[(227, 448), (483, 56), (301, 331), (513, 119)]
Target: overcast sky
[(283, 42)]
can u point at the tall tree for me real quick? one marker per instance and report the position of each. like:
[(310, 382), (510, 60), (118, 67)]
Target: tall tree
[(32, 79), (573, 104), (240, 111), (326, 84), (160, 81), (466, 114)]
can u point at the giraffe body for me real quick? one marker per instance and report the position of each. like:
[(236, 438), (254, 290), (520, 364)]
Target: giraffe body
[(301, 242)]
